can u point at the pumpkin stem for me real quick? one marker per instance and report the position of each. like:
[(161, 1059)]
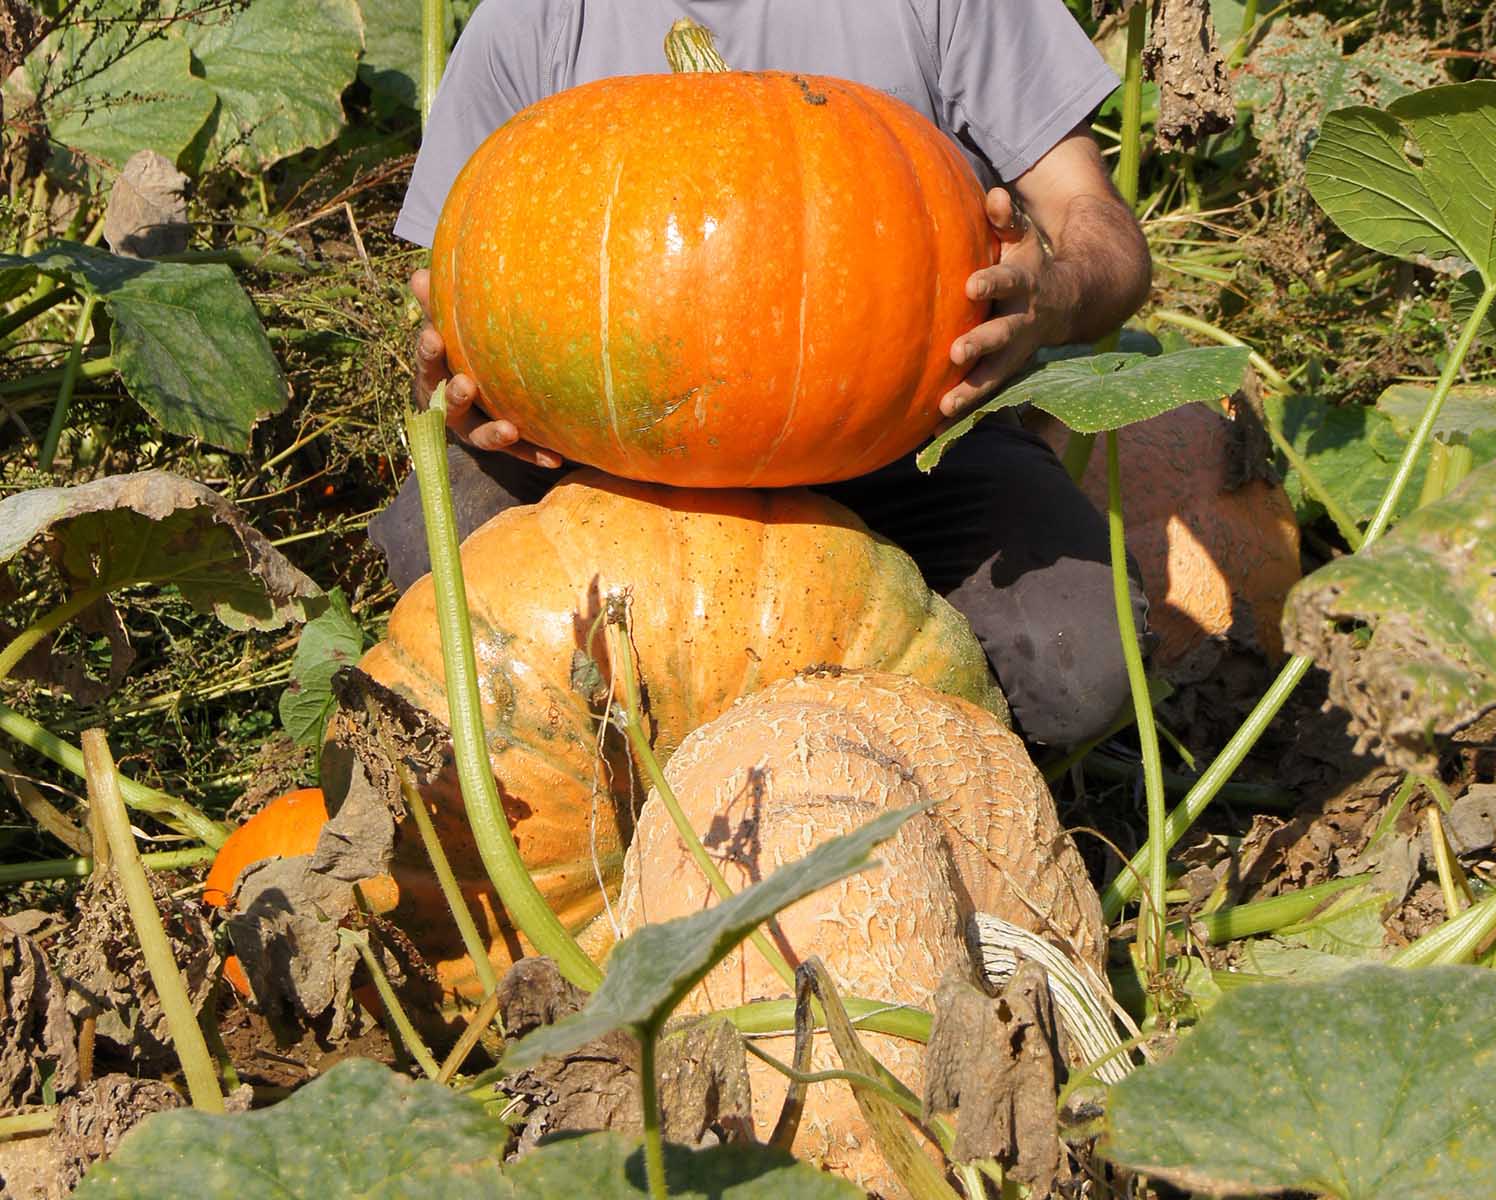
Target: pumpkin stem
[(691, 49)]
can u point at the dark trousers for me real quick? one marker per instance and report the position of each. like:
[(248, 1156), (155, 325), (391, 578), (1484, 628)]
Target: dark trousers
[(997, 528)]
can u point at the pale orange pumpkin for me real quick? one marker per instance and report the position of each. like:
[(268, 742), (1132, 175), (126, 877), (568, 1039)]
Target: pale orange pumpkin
[(1217, 560), (731, 590), (807, 759)]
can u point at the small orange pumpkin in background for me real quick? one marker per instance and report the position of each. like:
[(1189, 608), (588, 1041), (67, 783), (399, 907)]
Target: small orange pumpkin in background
[(713, 278), (1217, 560), (289, 825)]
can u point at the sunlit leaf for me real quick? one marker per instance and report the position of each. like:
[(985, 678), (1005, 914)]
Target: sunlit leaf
[(1415, 179), (1107, 391), (279, 68), (330, 641), (108, 89), (1378, 1083), (185, 338), (1407, 627)]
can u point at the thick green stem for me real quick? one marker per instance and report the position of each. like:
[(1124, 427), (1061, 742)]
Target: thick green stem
[(472, 941), (1127, 884), (1455, 941), (1421, 434), (623, 656), (1151, 926), (1244, 38), (67, 383), (21, 644), (1129, 161), (22, 1124), (433, 52), (511, 879), (155, 948), (764, 1017), (404, 1029), (1266, 916), (178, 814), (80, 868), (649, 1098), (33, 309), (42, 381), (1130, 155)]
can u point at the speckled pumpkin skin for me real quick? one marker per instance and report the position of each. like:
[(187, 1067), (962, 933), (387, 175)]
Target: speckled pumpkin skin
[(732, 590), (713, 280), (813, 757)]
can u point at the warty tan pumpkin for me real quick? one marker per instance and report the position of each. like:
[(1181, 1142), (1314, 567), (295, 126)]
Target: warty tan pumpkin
[(815, 756)]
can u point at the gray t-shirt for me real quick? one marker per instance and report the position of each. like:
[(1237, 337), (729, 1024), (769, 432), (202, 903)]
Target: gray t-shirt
[(1005, 78)]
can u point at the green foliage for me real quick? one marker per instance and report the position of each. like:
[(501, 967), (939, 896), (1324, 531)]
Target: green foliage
[(1298, 73), (1379, 1083), (185, 338), (610, 1167), (1107, 391), (158, 528), (361, 1131), (108, 89), (650, 972), (391, 64), (1407, 627), (1468, 411), (330, 641), (279, 68), (1414, 180)]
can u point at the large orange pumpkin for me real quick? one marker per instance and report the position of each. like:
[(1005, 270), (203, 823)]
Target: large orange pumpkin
[(731, 590), (713, 278)]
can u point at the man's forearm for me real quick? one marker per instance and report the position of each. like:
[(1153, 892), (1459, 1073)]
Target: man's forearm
[(1099, 271)]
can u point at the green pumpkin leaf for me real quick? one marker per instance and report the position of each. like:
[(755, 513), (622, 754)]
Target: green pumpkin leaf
[(185, 338), (1107, 391), (108, 89), (1415, 179), (1469, 409), (360, 1130), (158, 528), (391, 64), (607, 1166), (1407, 627), (1378, 1083), (650, 972), (330, 641), (279, 68)]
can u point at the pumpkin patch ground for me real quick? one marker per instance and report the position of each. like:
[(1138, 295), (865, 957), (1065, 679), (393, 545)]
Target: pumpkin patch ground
[(728, 870)]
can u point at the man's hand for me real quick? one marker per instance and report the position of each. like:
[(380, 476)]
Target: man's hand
[(1094, 274), (469, 423)]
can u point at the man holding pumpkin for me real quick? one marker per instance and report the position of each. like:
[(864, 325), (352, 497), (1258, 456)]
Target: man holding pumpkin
[(998, 527)]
